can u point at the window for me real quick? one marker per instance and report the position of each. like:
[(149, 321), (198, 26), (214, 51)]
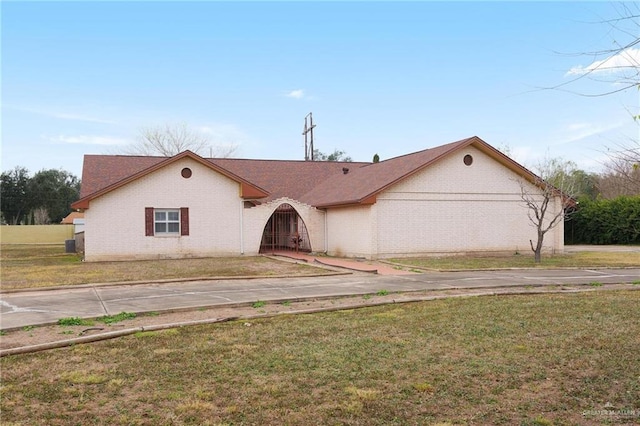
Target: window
[(468, 160), (166, 221)]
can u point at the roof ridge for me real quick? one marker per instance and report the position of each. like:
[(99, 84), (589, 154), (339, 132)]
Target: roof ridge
[(429, 149), (285, 161)]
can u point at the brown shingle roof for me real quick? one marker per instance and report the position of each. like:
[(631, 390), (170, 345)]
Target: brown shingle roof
[(101, 171), (320, 184), (281, 178), (360, 184), (108, 175)]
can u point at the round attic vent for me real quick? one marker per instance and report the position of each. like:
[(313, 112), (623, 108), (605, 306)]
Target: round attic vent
[(186, 173), (468, 160)]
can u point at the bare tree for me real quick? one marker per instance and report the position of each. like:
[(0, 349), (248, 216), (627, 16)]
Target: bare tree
[(618, 66), (622, 171), (41, 216), (170, 139), (548, 200)]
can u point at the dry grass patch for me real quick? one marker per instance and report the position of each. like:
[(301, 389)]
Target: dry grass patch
[(47, 265), (570, 260), (543, 359)]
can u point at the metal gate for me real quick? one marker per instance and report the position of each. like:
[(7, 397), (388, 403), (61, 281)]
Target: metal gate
[(285, 230)]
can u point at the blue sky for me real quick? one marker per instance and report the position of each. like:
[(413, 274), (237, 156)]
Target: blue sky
[(388, 78)]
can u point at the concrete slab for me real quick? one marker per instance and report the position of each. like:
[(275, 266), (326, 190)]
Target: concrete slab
[(44, 307), (610, 248), (344, 263)]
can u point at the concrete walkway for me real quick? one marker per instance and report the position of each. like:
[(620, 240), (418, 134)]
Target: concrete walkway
[(343, 263), (40, 307), (611, 249)]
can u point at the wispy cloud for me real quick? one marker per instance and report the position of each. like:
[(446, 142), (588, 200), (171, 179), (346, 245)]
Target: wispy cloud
[(63, 115), (223, 133), (69, 116), (577, 131), (626, 59), (296, 94), (87, 140)]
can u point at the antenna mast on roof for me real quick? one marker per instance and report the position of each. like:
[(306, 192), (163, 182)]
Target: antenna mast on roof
[(308, 142)]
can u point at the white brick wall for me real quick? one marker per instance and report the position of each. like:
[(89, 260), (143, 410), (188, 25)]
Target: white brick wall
[(350, 231), (115, 222), (451, 207), (448, 207)]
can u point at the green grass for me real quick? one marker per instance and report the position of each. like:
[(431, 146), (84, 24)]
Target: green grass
[(71, 321), (112, 319), (508, 360), (573, 260)]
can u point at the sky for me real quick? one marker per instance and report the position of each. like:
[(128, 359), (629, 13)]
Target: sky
[(390, 78)]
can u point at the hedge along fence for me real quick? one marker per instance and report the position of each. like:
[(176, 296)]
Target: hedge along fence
[(35, 234), (615, 221)]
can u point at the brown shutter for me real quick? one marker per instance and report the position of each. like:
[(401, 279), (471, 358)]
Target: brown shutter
[(184, 220), (148, 221)]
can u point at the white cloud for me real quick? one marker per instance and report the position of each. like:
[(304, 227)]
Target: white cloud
[(223, 133), (68, 116), (87, 140), (628, 58), (296, 94), (577, 131), (226, 139), (60, 114)]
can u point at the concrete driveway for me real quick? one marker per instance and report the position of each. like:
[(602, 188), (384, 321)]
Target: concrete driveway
[(47, 306), (614, 249)]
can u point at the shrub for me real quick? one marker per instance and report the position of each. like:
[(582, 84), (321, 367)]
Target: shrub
[(615, 221)]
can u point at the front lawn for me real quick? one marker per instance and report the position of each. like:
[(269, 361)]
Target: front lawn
[(32, 266), (508, 360), (595, 259)]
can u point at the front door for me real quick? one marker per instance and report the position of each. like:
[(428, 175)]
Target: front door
[(285, 230)]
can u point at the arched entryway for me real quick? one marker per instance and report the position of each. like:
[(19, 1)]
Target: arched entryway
[(285, 230)]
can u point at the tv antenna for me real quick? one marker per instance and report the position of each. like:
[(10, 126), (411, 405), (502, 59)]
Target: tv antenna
[(308, 137)]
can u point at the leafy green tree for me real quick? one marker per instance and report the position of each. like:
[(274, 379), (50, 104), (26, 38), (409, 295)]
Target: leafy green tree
[(15, 199), (336, 155), (613, 221), (585, 184), (54, 190)]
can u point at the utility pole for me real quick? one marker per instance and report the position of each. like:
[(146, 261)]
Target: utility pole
[(308, 140)]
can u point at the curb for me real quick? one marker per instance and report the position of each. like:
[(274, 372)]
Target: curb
[(126, 332), (166, 281)]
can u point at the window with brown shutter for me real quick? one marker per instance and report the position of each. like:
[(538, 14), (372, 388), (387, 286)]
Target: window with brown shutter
[(160, 222)]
